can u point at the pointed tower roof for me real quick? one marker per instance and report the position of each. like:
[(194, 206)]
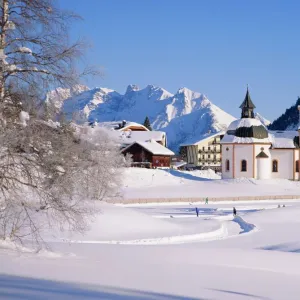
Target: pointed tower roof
[(247, 103)]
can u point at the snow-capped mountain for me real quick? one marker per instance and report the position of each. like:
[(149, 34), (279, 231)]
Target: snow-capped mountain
[(185, 116), (57, 97), (262, 119)]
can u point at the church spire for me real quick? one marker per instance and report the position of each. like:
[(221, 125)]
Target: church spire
[(247, 106)]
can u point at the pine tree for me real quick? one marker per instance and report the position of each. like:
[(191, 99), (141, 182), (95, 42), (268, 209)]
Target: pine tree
[(147, 124)]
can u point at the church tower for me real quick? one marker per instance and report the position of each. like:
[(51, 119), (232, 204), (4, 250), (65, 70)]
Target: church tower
[(247, 106)]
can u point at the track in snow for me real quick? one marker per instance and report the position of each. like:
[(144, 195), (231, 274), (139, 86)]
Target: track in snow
[(220, 233)]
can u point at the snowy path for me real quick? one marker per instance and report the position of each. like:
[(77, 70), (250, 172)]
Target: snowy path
[(212, 224)]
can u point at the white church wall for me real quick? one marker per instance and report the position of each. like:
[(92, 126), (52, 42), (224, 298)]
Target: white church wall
[(285, 158), (242, 152), (297, 157), (263, 168), (266, 165), (227, 155)]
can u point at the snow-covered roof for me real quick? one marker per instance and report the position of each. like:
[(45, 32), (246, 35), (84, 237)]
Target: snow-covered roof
[(283, 139), (232, 139), (179, 164), (129, 137), (153, 147), (195, 141), (278, 139), (115, 125), (244, 122)]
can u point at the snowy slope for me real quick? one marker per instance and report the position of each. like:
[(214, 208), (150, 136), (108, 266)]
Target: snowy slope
[(262, 119), (159, 184), (59, 95), (184, 116)]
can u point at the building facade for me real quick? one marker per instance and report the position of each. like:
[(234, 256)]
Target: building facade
[(149, 154), (250, 150), (205, 153)]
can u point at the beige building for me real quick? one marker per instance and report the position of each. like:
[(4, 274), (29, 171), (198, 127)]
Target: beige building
[(205, 153)]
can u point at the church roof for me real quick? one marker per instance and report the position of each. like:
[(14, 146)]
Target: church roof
[(262, 154), (248, 128), (276, 139), (247, 103)]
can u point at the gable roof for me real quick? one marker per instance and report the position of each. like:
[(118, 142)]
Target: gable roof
[(129, 137), (118, 126), (262, 154), (153, 147)]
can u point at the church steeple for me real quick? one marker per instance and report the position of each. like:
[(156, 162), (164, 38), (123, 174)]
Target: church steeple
[(247, 106)]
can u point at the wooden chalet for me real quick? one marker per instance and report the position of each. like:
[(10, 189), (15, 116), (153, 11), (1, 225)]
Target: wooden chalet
[(149, 154)]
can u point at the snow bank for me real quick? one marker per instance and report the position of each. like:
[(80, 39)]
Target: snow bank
[(179, 239)]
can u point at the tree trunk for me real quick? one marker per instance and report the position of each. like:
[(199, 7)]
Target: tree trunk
[(4, 23)]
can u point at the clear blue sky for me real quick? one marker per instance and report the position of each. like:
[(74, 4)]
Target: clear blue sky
[(214, 47)]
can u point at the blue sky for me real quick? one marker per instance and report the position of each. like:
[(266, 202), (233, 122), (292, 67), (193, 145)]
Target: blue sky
[(215, 47)]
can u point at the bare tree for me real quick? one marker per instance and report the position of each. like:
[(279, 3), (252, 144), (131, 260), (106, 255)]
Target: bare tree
[(47, 169)]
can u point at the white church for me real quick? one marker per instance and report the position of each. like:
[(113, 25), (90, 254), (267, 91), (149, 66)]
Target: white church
[(249, 150)]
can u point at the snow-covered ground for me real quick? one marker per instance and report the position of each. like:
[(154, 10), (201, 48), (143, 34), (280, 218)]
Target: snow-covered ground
[(147, 184), (165, 252)]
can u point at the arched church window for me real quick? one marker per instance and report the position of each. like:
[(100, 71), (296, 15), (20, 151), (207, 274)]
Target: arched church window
[(297, 166), (227, 165), (244, 166), (275, 166)]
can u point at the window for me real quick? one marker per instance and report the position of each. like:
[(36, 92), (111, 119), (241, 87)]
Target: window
[(203, 148), (297, 166), (227, 165), (215, 157), (244, 166), (208, 155), (215, 148), (208, 148), (275, 166), (203, 156)]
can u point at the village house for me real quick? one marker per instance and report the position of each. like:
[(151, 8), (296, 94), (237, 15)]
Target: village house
[(149, 154), (127, 133), (250, 150), (204, 153)]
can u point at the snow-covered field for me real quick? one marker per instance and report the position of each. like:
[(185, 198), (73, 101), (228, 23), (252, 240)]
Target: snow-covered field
[(164, 251), (144, 183)]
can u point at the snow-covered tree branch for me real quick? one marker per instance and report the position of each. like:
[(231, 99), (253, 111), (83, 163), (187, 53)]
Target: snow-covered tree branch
[(48, 170)]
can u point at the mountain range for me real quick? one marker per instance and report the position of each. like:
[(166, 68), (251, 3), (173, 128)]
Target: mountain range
[(185, 116)]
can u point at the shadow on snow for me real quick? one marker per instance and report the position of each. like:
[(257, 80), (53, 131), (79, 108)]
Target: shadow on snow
[(240, 294), (15, 287), (284, 247), (187, 176)]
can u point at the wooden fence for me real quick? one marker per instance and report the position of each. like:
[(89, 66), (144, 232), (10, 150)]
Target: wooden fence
[(210, 199)]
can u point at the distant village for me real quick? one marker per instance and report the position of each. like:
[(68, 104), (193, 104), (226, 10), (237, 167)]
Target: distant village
[(246, 149)]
